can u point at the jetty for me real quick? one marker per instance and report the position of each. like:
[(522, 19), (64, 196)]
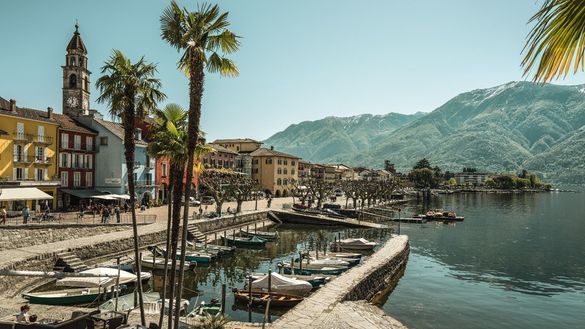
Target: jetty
[(295, 217)]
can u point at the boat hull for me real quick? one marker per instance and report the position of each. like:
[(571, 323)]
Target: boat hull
[(261, 298), (72, 298), (244, 243)]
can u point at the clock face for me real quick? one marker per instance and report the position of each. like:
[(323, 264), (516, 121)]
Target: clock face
[(72, 101)]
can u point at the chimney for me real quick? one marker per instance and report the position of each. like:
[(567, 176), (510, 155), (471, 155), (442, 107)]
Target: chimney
[(49, 112), (12, 105), (271, 148)]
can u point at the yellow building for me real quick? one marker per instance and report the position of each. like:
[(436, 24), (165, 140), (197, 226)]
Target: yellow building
[(274, 171), (240, 145), (28, 142)]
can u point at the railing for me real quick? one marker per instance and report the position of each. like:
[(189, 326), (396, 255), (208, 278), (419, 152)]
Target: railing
[(22, 137), (79, 148), (78, 166), (43, 160), (43, 140), (21, 158), (144, 182), (75, 218)]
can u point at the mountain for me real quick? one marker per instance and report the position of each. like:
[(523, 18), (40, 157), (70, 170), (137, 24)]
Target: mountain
[(334, 138), (505, 128)]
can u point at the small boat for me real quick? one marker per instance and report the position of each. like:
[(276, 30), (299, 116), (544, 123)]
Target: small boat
[(315, 280), (354, 244), (324, 270), (341, 255), (313, 262), (252, 242), (126, 302), (261, 298), (282, 285), (68, 296), (211, 308), (440, 215), (109, 278), (158, 263), (217, 250), (194, 256), (268, 236)]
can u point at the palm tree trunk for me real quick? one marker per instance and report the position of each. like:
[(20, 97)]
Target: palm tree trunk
[(196, 77), (129, 147), (168, 244), (177, 170)]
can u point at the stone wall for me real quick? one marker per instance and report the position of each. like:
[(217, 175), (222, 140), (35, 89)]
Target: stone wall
[(230, 220), (12, 237)]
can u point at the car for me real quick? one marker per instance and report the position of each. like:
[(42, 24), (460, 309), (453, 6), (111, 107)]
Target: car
[(207, 200)]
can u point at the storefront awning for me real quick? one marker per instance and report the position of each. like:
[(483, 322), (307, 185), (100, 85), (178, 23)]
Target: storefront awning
[(82, 194), (121, 196), (104, 197), (23, 193)]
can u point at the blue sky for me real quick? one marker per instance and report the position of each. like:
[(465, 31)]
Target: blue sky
[(299, 60)]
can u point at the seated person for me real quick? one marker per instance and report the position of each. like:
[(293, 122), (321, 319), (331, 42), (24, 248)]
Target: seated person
[(23, 315)]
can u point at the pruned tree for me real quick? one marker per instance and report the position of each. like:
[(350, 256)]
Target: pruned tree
[(300, 190), (216, 183), (319, 189), (349, 188), (240, 187)]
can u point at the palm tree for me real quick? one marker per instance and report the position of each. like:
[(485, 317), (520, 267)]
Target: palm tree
[(169, 141), (131, 91), (201, 35), (557, 41)]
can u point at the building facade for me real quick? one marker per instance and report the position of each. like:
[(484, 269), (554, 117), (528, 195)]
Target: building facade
[(239, 145), (274, 171), (28, 146), (471, 178), (221, 158)]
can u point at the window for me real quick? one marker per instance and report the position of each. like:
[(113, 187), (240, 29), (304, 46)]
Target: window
[(164, 168), (88, 179), (292, 163), (89, 161), (285, 182), (40, 154), (72, 61), (89, 143), (18, 154), (19, 174), (279, 171), (269, 161), (64, 161), (40, 174), (138, 134), (65, 179), (103, 140), (41, 134), (285, 162), (76, 179), (72, 81), (285, 171), (64, 141), (76, 161), (255, 170), (279, 181), (77, 142), (19, 130), (148, 178), (279, 161), (292, 171)]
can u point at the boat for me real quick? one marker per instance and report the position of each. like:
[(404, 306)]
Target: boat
[(205, 246), (440, 215), (340, 255), (282, 285), (68, 296), (315, 280), (158, 263), (323, 270), (126, 302), (268, 236), (353, 244), (252, 242), (109, 278), (313, 262), (190, 256), (261, 298)]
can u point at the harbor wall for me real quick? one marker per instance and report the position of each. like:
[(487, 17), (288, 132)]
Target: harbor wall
[(225, 222)]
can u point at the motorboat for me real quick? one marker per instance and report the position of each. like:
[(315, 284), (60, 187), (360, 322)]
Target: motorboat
[(108, 279), (282, 285), (353, 244)]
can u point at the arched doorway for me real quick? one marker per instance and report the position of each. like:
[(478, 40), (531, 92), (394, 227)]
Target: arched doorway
[(277, 194)]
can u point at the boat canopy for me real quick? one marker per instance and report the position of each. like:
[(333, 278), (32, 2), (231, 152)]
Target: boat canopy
[(94, 282), (282, 283), (23, 193)]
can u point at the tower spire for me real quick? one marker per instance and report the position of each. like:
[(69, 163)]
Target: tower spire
[(76, 26)]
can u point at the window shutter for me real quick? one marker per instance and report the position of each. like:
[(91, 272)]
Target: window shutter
[(25, 173), (15, 154), (68, 160), (14, 174), (46, 174)]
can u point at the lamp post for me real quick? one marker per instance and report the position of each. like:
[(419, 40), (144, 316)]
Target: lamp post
[(256, 200), (399, 210)]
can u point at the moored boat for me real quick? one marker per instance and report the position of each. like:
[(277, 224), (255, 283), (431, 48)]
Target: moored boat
[(68, 296), (191, 319), (353, 244), (108, 279), (268, 236), (159, 263), (261, 298), (315, 280), (282, 285), (324, 270), (238, 242)]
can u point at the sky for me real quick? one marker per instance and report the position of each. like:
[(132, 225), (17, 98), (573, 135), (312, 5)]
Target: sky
[(299, 60)]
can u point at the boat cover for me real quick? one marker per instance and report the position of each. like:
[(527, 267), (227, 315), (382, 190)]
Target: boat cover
[(105, 281), (282, 284), (360, 241)]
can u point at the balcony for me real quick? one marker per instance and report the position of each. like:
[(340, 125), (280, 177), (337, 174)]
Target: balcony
[(8, 181), (43, 140), (143, 183), (22, 138), (79, 148), (20, 159), (43, 161)]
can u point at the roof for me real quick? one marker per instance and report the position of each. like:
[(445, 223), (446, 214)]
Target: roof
[(23, 193), (236, 140), (23, 112), (76, 43), (116, 129), (67, 123), (262, 152), (221, 149)]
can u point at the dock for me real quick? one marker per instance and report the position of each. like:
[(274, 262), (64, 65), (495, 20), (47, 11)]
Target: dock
[(301, 218)]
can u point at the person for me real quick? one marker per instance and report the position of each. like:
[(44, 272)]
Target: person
[(23, 315), (269, 201), (3, 215), (117, 211), (25, 214), (81, 212), (200, 212), (125, 207)]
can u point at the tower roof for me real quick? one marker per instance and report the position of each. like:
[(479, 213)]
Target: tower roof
[(76, 43)]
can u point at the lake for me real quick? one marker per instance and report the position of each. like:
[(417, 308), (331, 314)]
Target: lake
[(517, 261)]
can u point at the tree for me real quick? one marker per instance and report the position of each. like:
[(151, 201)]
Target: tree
[(320, 189), (349, 188), (202, 36), (421, 164), (422, 178), (240, 187), (300, 190), (556, 40), (131, 91), (216, 183), (389, 167), (452, 182)]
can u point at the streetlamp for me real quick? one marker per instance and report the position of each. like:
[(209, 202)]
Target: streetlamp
[(399, 210), (256, 200)]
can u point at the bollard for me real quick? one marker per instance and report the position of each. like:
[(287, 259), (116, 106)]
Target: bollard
[(215, 238), (225, 238), (205, 241), (269, 282), (292, 266), (255, 230)]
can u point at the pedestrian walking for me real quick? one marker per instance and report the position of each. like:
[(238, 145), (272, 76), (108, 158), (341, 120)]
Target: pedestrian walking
[(25, 214), (3, 216), (117, 211)]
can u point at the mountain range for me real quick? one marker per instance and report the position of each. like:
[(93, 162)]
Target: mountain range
[(515, 126)]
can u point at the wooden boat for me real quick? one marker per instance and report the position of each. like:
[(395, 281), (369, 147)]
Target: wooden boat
[(193, 256), (109, 278), (221, 249), (282, 285), (315, 280), (261, 298), (126, 302), (353, 244), (312, 262), (211, 308), (268, 236), (341, 255), (252, 242), (158, 263), (68, 296), (324, 270)]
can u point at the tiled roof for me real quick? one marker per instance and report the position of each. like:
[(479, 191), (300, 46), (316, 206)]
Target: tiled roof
[(116, 129), (221, 149), (22, 112), (267, 152), (68, 123), (235, 140)]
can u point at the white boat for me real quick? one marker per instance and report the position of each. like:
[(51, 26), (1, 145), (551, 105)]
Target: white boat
[(354, 244), (282, 285), (152, 303), (323, 262), (159, 263), (109, 278)]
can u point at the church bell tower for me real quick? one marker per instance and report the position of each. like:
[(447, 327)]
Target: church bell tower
[(76, 78)]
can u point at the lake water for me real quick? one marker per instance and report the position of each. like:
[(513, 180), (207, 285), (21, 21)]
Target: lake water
[(517, 261)]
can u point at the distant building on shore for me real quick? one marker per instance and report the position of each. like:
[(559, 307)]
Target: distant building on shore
[(471, 178)]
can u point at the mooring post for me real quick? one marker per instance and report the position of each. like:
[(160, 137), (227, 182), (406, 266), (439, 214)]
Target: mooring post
[(223, 286), (269, 282), (317, 250), (225, 238), (215, 238), (300, 262), (250, 291), (262, 225), (255, 224), (205, 241), (292, 266), (247, 229)]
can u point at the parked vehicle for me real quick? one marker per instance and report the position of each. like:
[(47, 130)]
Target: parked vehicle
[(207, 200)]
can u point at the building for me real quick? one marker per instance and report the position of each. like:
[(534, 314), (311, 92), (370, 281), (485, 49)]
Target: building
[(471, 178), (304, 169), (28, 146), (274, 171), (344, 172), (239, 145), (76, 78), (221, 158), (76, 162)]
